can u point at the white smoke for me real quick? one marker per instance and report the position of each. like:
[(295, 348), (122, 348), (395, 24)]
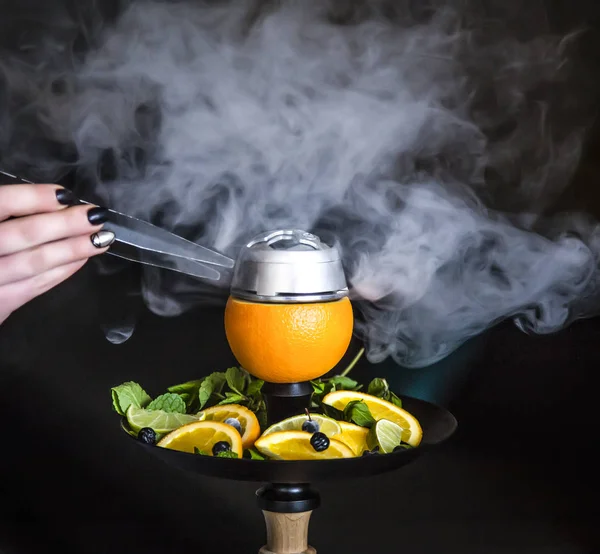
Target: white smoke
[(399, 134), (118, 334)]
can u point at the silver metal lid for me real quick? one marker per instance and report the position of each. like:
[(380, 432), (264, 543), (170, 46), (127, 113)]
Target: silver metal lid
[(288, 265)]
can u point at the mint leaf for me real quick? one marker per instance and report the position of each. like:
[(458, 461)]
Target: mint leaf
[(395, 400), (318, 393), (378, 387), (200, 452), (205, 391), (236, 379), (318, 386), (189, 392), (255, 387), (332, 412), (320, 390), (227, 454), (189, 399), (127, 394), (213, 384), (253, 454), (189, 387), (344, 383), (254, 403), (358, 412), (231, 398), (168, 402)]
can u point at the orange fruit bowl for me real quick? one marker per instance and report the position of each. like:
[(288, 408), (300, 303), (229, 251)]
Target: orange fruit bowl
[(288, 343)]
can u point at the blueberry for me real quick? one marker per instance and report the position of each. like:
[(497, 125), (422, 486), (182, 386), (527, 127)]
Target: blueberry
[(319, 442), (310, 426), (234, 423), (371, 452), (221, 446), (147, 435), (399, 448)]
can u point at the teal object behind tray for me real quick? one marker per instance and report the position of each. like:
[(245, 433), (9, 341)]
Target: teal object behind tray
[(436, 383)]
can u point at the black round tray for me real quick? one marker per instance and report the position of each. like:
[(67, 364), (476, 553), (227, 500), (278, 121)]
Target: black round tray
[(437, 423)]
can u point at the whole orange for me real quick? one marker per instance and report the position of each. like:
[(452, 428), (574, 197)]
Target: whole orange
[(288, 343)]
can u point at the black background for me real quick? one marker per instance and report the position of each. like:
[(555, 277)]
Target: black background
[(520, 475)]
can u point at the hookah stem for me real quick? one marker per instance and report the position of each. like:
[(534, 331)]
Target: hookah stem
[(287, 508), (353, 362)]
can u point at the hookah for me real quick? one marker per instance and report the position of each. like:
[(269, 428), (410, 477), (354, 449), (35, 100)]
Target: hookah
[(291, 266)]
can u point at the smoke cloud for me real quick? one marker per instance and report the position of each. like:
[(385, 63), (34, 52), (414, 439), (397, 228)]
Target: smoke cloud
[(429, 141)]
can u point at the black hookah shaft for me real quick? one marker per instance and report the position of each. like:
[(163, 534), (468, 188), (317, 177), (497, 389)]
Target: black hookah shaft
[(286, 399)]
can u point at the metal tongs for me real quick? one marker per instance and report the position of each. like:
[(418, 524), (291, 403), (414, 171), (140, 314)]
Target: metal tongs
[(141, 242)]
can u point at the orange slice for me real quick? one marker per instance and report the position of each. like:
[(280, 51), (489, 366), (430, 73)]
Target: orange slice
[(202, 435), (295, 445), (353, 436), (246, 418), (380, 409)]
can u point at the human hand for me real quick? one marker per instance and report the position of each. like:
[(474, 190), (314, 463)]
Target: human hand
[(44, 240)]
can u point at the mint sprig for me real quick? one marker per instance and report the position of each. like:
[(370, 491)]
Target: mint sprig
[(322, 387), (210, 389), (189, 393), (227, 454), (127, 394), (254, 388), (243, 390), (232, 398), (253, 454), (380, 388), (358, 412), (168, 402), (237, 380), (232, 386)]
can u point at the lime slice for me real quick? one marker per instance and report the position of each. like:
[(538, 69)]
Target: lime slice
[(327, 425), (385, 434), (161, 422)]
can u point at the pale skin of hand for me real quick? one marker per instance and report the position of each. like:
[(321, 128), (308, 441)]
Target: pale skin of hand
[(42, 242)]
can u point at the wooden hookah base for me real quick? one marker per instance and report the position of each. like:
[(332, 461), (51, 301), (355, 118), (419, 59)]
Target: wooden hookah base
[(287, 534), (287, 510)]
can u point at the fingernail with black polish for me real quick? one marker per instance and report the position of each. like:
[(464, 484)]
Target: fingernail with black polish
[(65, 197), (102, 239), (97, 216)]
